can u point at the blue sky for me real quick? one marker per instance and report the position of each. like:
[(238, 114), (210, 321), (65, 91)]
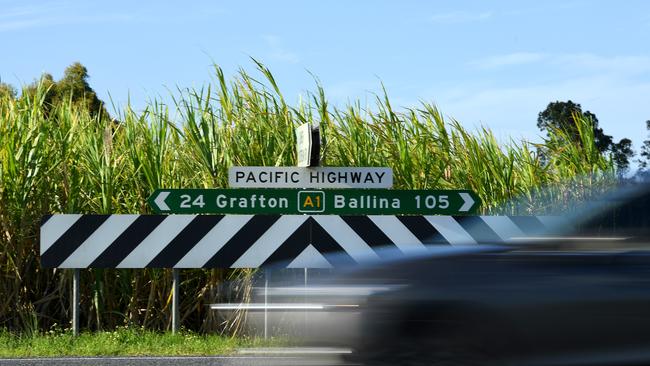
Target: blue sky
[(484, 63)]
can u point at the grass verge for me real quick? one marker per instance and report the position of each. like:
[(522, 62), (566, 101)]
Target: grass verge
[(123, 342)]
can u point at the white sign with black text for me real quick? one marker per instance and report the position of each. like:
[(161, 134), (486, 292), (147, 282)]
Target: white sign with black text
[(316, 177)]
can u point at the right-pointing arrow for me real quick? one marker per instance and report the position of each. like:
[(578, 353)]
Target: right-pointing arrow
[(160, 201), (469, 202)]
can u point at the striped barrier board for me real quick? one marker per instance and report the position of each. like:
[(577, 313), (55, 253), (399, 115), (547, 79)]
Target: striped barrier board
[(252, 241)]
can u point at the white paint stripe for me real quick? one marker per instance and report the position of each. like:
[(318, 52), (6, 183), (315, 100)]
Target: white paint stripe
[(451, 230), (398, 233), (327, 290), (98, 241), (56, 226), (346, 237), (571, 238), (156, 241), (213, 241), (298, 351), (503, 226), (554, 223), (267, 306), (270, 241), (310, 258)]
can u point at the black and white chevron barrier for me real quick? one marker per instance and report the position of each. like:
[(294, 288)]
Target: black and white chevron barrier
[(252, 241)]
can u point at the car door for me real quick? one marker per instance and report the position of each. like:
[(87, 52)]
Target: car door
[(564, 302)]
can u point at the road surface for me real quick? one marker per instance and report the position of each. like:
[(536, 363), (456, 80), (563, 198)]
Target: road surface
[(257, 358)]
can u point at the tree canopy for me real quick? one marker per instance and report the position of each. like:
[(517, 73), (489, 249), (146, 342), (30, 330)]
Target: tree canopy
[(644, 155), (622, 153), (560, 115), (7, 91), (73, 86)]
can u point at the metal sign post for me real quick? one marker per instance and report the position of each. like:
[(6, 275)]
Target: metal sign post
[(175, 295), (266, 302), (75, 301), (306, 301)]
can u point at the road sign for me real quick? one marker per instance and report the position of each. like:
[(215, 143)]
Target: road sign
[(308, 145), (314, 201), (316, 177), (252, 241)]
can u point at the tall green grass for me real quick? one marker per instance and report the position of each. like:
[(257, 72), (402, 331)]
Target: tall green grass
[(71, 162), (124, 341)]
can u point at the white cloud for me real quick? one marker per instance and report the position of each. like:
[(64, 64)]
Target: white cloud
[(52, 14), (21, 11), (511, 59), (570, 62), (460, 17), (615, 88), (597, 63), (278, 52), (516, 108)]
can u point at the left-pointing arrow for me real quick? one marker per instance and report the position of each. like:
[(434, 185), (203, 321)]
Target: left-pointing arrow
[(160, 201)]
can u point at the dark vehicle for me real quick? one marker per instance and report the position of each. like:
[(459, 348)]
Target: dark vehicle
[(514, 306), (579, 298)]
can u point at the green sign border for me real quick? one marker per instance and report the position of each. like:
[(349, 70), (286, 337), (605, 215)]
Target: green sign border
[(253, 201)]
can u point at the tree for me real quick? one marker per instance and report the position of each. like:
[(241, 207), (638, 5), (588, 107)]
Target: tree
[(559, 115), (47, 84), (621, 154), (7, 91), (644, 159), (72, 87)]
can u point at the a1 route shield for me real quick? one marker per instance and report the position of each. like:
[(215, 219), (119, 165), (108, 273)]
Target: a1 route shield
[(314, 201)]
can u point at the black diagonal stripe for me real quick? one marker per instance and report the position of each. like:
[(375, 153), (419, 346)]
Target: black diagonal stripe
[(478, 229), (241, 241), (529, 225), (372, 235), (322, 241), (422, 229), (121, 247), (292, 247), (67, 243), (45, 218), (184, 241)]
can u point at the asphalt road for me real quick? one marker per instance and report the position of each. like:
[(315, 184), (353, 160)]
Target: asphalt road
[(184, 361), (246, 357)]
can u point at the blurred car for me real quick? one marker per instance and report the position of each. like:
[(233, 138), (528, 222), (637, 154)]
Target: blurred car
[(569, 298), (511, 306)]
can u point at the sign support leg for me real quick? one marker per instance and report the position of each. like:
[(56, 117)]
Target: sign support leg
[(266, 303), (75, 301), (175, 312), (306, 300)]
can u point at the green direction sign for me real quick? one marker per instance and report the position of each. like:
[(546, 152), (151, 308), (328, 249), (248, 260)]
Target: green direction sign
[(314, 201)]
